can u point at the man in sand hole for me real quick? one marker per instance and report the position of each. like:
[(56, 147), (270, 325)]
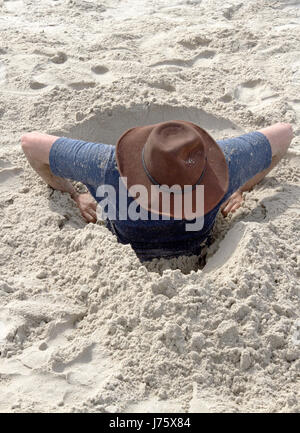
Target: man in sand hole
[(161, 187)]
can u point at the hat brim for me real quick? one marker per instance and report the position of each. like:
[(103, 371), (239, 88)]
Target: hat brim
[(214, 181)]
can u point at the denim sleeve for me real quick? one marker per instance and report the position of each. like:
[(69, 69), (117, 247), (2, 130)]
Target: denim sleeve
[(80, 160), (246, 156)]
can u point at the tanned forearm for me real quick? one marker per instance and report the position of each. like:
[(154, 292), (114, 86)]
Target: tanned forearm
[(36, 147), (280, 136)]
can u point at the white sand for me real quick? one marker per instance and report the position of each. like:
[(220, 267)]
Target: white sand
[(83, 325)]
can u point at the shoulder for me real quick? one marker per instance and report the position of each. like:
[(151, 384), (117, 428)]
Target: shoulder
[(246, 155)]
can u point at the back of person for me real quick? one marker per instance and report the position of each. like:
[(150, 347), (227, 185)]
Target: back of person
[(95, 164)]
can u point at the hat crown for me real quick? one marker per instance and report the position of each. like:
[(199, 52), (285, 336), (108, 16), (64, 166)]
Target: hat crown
[(175, 154)]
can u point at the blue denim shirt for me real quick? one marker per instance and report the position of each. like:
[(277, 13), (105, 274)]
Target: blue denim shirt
[(94, 164)]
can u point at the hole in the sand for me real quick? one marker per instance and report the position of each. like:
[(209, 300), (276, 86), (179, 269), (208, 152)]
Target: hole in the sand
[(107, 126)]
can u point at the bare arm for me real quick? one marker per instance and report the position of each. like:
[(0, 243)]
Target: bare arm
[(280, 136), (36, 147)]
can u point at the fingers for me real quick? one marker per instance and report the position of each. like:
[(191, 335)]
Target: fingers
[(94, 205), (93, 213), (87, 207), (92, 209), (224, 205), (89, 218), (89, 214), (93, 217), (226, 209), (235, 207)]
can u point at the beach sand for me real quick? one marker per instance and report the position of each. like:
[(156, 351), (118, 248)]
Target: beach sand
[(84, 326)]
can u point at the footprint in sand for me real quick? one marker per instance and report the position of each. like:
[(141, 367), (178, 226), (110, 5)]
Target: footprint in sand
[(194, 41), (44, 77), (36, 85), (9, 177), (29, 67), (162, 84), (77, 81), (102, 74), (99, 69), (227, 97), (82, 84), (254, 93), (59, 58), (204, 58), (56, 68), (230, 11)]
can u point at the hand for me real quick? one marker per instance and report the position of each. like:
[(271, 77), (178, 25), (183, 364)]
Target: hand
[(233, 203), (87, 206)]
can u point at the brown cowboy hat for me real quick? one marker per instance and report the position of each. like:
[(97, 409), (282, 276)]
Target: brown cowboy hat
[(176, 154)]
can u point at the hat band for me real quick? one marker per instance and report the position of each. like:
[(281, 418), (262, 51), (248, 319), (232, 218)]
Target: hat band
[(152, 180)]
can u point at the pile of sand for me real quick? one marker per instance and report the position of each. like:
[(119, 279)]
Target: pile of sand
[(84, 326)]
